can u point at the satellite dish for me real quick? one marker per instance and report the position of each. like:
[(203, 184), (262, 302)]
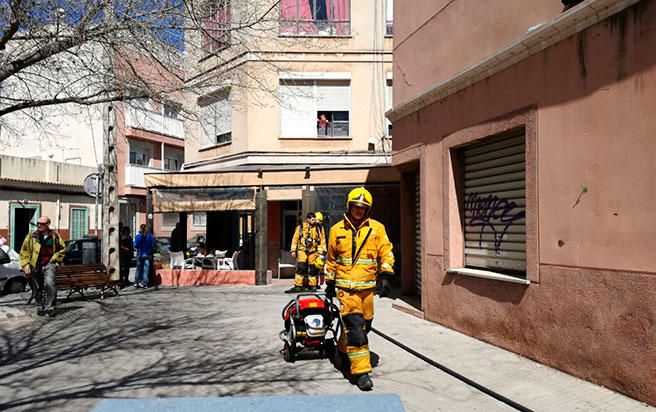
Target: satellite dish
[(93, 185)]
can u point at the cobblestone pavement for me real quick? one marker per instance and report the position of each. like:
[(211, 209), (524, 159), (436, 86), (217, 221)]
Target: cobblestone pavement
[(195, 342)]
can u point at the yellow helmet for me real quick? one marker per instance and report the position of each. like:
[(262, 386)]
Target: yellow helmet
[(359, 197), (318, 217)]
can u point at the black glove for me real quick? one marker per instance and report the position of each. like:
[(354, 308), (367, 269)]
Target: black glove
[(384, 286), (330, 289)]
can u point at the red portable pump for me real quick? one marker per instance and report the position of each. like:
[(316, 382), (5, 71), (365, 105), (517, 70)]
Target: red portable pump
[(311, 323)]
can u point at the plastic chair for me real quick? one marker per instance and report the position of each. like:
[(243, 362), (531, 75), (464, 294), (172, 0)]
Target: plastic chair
[(177, 260)]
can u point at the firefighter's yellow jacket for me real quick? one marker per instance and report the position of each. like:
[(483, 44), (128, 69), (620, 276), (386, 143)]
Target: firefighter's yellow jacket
[(309, 239), (367, 244)]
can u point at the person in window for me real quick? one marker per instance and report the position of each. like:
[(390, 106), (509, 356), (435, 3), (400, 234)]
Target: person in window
[(322, 125)]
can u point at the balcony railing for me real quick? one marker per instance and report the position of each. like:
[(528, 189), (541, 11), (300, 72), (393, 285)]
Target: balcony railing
[(334, 129), (154, 122), (134, 174)]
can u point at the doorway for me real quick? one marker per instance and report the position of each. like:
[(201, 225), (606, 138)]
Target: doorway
[(23, 222)]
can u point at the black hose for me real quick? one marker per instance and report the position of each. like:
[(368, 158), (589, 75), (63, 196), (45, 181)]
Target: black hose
[(455, 374)]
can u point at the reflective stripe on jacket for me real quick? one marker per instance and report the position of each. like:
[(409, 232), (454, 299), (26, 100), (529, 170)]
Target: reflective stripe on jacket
[(29, 253), (375, 255)]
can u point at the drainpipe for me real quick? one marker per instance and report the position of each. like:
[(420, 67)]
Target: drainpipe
[(58, 211), (161, 161)]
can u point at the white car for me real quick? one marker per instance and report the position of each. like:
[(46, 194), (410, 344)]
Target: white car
[(12, 279)]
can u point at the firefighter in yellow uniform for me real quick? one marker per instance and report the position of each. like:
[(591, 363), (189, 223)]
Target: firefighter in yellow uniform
[(307, 244), (320, 262), (359, 256)]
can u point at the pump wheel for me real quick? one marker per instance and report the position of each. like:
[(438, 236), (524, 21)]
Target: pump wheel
[(328, 349), (288, 353)]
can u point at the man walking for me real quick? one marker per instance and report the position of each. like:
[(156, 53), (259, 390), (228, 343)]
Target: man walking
[(307, 244), (144, 242), (125, 256), (42, 251), (359, 255)]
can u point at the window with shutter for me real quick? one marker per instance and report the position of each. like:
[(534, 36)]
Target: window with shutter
[(495, 205), (389, 17), (78, 223), (216, 119), (314, 108)]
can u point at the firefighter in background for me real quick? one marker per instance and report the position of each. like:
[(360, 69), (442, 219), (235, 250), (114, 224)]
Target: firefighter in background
[(359, 256), (307, 244), (321, 259)]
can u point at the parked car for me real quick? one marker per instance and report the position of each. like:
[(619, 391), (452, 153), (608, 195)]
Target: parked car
[(83, 251), (12, 279)]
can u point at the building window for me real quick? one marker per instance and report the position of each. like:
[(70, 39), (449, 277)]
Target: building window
[(315, 17), (388, 104), (494, 191), (216, 119), (389, 17), (171, 110), (79, 223), (169, 219), (216, 27), (199, 219), (315, 108), (171, 163), (139, 154)]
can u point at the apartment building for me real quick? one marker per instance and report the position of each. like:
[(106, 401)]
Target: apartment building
[(294, 109), (525, 145)]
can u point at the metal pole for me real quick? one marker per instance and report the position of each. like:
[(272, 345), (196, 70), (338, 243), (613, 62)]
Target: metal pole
[(261, 238), (96, 206)]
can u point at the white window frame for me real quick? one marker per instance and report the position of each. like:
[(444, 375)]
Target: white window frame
[(216, 119), (389, 18), (199, 219), (141, 149), (307, 100)]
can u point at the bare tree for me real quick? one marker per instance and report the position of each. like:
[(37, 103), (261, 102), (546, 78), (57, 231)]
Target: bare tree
[(59, 54)]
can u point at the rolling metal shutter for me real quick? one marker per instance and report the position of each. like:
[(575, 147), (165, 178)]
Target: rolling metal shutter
[(417, 235), (495, 201)]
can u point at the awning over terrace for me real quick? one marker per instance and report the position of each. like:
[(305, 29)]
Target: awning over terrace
[(203, 199)]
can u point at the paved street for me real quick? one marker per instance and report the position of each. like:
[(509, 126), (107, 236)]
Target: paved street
[(222, 341)]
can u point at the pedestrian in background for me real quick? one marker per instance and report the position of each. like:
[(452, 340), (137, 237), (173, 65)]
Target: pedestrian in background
[(125, 256), (144, 243), (42, 251)]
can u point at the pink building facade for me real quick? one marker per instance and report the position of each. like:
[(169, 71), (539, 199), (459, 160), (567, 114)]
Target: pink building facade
[(525, 140)]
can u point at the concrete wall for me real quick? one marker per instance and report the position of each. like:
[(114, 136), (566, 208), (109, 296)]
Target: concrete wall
[(21, 168), (586, 104), (49, 207), (434, 39)]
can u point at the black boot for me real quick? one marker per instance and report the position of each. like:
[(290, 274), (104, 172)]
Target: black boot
[(364, 382), (294, 289)]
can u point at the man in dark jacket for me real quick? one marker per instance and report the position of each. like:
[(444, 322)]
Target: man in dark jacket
[(125, 256)]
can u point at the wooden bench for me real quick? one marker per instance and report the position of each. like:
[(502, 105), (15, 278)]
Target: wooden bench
[(78, 278)]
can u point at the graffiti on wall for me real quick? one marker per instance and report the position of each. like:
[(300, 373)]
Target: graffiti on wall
[(492, 213)]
